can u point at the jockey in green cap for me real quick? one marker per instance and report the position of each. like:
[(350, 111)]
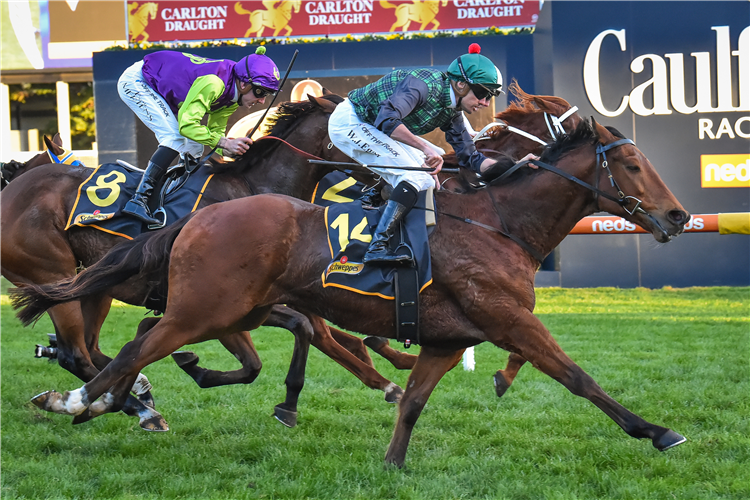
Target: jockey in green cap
[(379, 126)]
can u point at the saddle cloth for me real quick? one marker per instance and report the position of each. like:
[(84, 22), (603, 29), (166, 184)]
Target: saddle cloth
[(350, 229), (103, 195)]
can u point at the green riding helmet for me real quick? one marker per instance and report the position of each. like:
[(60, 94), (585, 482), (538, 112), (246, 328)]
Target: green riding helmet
[(482, 76)]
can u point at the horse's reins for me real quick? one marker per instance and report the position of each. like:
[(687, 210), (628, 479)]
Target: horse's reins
[(601, 150)]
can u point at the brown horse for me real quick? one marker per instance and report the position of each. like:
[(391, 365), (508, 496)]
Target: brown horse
[(79, 334), (482, 290), (54, 153), (37, 249), (518, 131)]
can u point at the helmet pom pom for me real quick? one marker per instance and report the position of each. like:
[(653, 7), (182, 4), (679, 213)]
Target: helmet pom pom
[(474, 48), (262, 50)]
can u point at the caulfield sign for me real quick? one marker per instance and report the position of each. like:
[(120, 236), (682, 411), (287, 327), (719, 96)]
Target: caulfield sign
[(164, 21)]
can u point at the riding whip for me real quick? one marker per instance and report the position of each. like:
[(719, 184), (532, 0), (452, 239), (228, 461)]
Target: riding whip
[(395, 167), (288, 70)]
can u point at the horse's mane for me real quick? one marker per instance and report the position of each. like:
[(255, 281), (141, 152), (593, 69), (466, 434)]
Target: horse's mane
[(524, 105), (280, 123)]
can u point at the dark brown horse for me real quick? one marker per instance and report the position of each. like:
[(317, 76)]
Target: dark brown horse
[(54, 154), (37, 249), (79, 335), (482, 290)]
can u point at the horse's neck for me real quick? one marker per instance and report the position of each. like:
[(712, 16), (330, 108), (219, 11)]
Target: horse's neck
[(541, 210), (546, 211)]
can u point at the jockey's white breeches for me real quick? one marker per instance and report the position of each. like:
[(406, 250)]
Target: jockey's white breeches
[(154, 112), (367, 145)]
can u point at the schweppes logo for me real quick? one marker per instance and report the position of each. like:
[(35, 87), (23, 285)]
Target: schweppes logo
[(345, 267), (93, 217)]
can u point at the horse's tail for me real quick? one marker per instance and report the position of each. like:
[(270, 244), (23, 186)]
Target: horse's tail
[(148, 254), (241, 10), (387, 5)]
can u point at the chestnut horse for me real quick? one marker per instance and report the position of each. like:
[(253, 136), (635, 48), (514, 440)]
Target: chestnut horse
[(482, 290), (530, 118)]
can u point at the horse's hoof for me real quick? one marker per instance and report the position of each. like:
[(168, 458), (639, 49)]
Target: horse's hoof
[(49, 401), (393, 393), (83, 417), (501, 385), (668, 440), (185, 359), (375, 343), (155, 423), (286, 417), (40, 400)]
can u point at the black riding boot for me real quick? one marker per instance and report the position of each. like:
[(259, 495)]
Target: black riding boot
[(403, 198), (157, 167)]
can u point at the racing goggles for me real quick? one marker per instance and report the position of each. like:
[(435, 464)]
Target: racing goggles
[(261, 92), (482, 92)]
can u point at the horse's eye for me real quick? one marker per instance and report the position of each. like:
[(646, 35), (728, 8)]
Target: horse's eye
[(633, 168)]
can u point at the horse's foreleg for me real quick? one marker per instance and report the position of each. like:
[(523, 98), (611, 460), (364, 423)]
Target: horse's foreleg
[(241, 346), (400, 360), (503, 378), (353, 344), (363, 371), (535, 344), (431, 365)]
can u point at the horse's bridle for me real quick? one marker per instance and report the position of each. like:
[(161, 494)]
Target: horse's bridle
[(601, 150), (554, 126)]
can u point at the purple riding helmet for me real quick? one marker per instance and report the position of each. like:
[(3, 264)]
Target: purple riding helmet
[(260, 72)]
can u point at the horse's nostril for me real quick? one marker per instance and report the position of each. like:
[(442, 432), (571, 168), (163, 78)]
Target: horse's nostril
[(678, 217)]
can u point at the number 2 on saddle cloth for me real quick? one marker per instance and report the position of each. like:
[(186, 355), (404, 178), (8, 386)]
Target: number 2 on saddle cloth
[(350, 229), (102, 196)]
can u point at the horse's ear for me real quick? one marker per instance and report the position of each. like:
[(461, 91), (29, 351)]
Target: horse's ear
[(326, 91), (57, 139), (602, 133), (324, 104)]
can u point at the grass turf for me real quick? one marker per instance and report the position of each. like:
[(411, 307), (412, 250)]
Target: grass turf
[(677, 357)]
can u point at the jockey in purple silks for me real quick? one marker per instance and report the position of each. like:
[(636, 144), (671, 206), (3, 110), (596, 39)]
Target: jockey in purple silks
[(171, 92)]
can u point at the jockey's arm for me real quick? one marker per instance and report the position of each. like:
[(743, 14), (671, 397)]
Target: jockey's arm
[(203, 93), (457, 135)]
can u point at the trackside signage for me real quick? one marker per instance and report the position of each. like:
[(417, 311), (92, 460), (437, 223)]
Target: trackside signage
[(163, 21), (725, 171), (713, 85)]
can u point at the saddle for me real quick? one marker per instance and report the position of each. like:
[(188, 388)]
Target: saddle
[(102, 196), (350, 221)]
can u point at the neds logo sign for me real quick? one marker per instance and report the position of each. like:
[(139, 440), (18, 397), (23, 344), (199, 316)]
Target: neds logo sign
[(725, 171)]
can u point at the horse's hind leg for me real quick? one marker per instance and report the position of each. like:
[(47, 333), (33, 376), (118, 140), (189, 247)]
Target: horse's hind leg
[(55, 402), (535, 344), (304, 330), (95, 310), (430, 367), (241, 346), (503, 378), (401, 360)]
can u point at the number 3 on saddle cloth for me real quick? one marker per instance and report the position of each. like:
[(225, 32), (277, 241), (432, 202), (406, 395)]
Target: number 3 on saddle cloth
[(103, 195), (350, 229)]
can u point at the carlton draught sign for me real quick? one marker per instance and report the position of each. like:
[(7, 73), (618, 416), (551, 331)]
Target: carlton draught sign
[(210, 20)]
